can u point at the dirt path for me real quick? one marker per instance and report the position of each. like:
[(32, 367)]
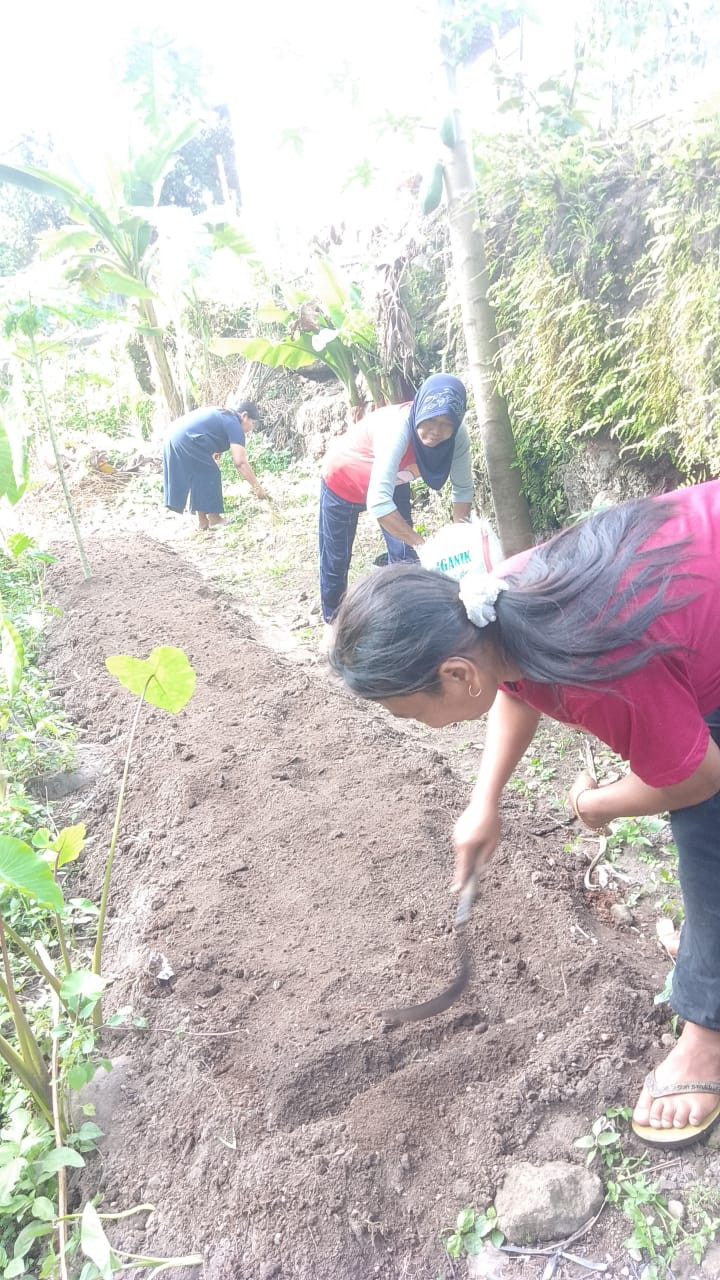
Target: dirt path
[(288, 852)]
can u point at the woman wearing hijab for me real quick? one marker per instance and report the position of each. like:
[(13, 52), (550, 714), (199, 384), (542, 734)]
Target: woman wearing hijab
[(371, 466)]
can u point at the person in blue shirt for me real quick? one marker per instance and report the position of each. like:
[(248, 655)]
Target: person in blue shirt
[(191, 474)]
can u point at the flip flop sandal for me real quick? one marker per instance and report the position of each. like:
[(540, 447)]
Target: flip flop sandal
[(690, 1132)]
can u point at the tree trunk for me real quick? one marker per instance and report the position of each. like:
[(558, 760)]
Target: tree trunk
[(468, 253), (160, 361)]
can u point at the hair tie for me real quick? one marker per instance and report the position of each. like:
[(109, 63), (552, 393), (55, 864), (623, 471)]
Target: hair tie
[(479, 592)]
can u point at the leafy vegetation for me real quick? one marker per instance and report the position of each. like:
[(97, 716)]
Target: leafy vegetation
[(49, 1044), (658, 1231), (326, 322), (604, 278)]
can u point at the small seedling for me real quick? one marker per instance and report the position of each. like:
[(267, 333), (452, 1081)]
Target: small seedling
[(635, 833), (601, 1137), (472, 1230), (663, 996)]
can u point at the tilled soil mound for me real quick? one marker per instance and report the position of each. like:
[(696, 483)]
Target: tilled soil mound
[(286, 853)]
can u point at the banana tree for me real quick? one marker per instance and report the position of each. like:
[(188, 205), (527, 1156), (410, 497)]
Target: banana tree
[(111, 247), (328, 324)]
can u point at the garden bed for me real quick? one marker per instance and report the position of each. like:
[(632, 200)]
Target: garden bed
[(286, 850)]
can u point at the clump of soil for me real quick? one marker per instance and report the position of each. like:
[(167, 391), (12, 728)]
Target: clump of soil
[(287, 851)]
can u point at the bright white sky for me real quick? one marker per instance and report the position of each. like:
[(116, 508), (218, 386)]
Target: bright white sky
[(272, 63)]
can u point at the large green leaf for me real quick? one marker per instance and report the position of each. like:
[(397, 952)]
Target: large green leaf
[(22, 868), (14, 467), (29, 1234), (225, 236), (59, 1158), (69, 844), (82, 204), (271, 313), (166, 677), (9, 1177), (12, 655), (82, 983), (149, 169), (332, 292), (140, 232), (7, 470), (94, 1243), (19, 542), (118, 282), (67, 239), (43, 1209), (278, 355)]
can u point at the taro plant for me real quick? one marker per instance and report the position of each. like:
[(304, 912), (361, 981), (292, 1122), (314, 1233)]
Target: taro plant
[(53, 1048), (166, 680)]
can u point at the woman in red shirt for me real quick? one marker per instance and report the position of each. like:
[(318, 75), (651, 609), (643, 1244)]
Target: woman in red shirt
[(612, 626)]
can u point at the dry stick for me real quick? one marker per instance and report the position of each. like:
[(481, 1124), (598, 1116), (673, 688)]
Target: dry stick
[(57, 1129), (97, 954), (651, 1168), (194, 1035), (554, 1257), (561, 1244)]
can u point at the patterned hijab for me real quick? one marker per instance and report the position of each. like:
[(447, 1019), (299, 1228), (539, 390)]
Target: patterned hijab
[(442, 394)]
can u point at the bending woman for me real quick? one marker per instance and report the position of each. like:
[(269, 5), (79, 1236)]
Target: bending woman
[(190, 469), (611, 626), (371, 466)]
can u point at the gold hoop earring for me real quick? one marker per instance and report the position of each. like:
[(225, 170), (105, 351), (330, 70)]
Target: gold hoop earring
[(474, 695)]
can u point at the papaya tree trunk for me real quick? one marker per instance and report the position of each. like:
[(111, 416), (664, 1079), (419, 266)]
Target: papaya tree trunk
[(481, 339), (159, 358)]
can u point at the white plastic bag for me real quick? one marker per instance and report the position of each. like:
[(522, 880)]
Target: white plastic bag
[(456, 548)]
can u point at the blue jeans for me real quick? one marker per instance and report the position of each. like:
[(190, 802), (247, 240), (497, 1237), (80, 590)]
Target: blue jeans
[(338, 526), (696, 980)]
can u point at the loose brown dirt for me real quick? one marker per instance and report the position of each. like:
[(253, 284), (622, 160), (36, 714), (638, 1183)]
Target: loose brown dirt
[(287, 851)]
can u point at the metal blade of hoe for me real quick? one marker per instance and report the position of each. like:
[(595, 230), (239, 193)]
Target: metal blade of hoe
[(441, 1002)]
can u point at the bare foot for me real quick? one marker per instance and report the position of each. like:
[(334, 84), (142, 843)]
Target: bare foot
[(668, 936), (214, 520), (695, 1058)]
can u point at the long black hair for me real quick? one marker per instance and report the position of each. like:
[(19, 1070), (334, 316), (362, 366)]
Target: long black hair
[(561, 618)]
